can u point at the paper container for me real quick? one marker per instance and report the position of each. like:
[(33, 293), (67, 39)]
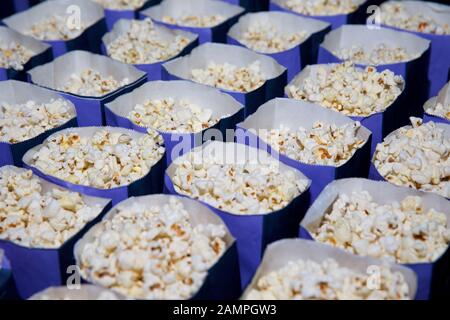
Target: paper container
[(295, 114), (297, 57), (432, 277), (275, 74), (223, 106), (380, 124), (42, 53), (90, 110), (20, 92), (153, 70), (35, 269), (9, 7), (5, 274), (253, 232), (444, 98), (176, 8), (151, 183), (414, 71), (222, 281), (84, 292), (280, 253), (250, 5), (91, 15), (334, 20)]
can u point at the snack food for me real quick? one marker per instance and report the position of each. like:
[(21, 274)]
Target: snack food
[(191, 20), (322, 7), (13, 55), (121, 4), (381, 54), (54, 27)]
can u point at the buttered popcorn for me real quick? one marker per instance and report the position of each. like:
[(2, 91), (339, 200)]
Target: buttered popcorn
[(230, 77), (416, 157), (152, 252), (322, 7), (121, 4), (20, 122), (105, 160), (54, 27), (381, 54), (403, 232), (92, 83), (13, 55), (143, 44), (33, 218), (327, 280), (350, 90), (439, 109), (190, 20)]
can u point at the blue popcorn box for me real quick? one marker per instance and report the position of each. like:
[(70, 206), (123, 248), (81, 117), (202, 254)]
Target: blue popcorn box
[(442, 99)]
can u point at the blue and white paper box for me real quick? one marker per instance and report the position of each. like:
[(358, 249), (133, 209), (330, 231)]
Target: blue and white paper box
[(90, 109), (223, 107), (294, 114), (36, 268), (274, 73), (443, 99), (222, 281), (433, 276), (298, 56), (91, 18), (81, 292), (42, 53), (16, 92), (153, 70), (178, 9)]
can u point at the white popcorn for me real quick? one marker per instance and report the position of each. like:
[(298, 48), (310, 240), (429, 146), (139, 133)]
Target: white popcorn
[(327, 280), (152, 252), (402, 232), (230, 77), (105, 160), (191, 20), (24, 121), (91, 83), (37, 219), (381, 54), (121, 4), (416, 157), (323, 7), (439, 109), (14, 55), (143, 44), (350, 90), (54, 27)]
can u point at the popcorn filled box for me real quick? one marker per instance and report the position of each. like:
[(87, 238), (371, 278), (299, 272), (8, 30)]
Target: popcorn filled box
[(40, 223), (322, 144), (437, 109), (147, 45), (66, 25), (295, 269), (207, 18), (19, 53), (248, 77), (291, 40), (83, 292), (184, 113), (161, 247), (89, 81), (383, 221), (28, 115), (260, 199)]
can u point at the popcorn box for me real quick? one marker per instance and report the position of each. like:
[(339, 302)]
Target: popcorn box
[(41, 53), (380, 124), (35, 269), (83, 292), (9, 7), (251, 5), (86, 12), (274, 74), (5, 274), (432, 277), (253, 232), (280, 253), (414, 70), (335, 21), (295, 114), (223, 279), (17, 92), (222, 106), (152, 182), (295, 58), (153, 70), (90, 109), (197, 8), (442, 101)]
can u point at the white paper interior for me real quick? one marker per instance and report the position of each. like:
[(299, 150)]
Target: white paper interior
[(443, 98)]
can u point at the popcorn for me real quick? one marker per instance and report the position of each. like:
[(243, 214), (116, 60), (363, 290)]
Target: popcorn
[(91, 83), (323, 144), (350, 90), (24, 121), (416, 157), (190, 20), (121, 4), (54, 27), (327, 280), (86, 292), (143, 44), (322, 7), (152, 252), (105, 160), (230, 77), (33, 218), (403, 232), (381, 54), (14, 55), (439, 109)]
